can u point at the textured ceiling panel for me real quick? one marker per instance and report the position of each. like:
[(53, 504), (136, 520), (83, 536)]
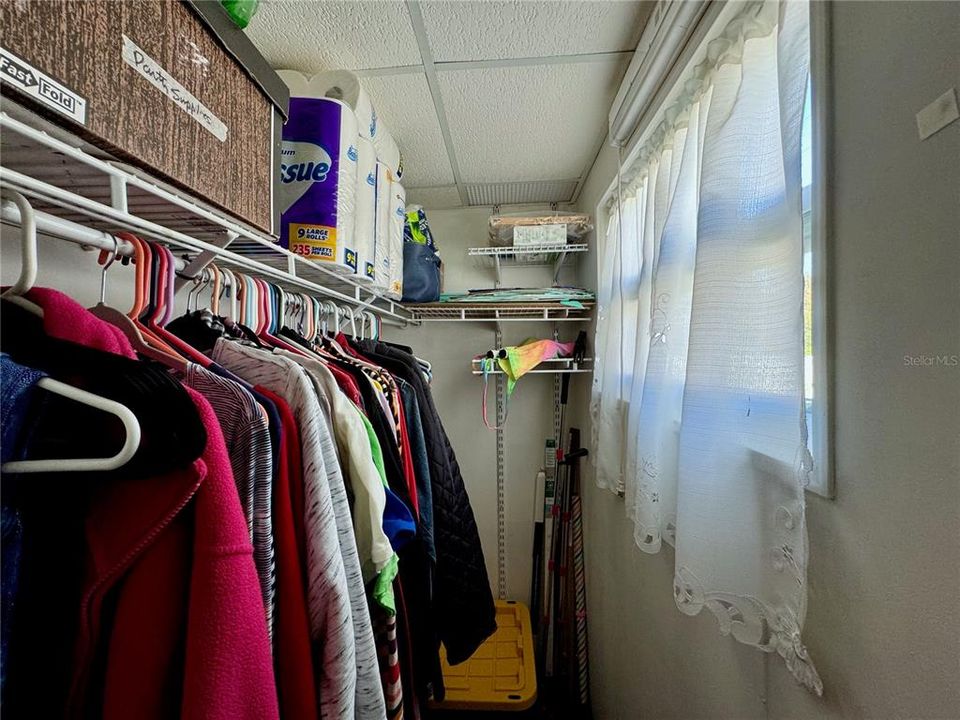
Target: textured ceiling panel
[(314, 36), (488, 30), (405, 107), (523, 193), (538, 122), (435, 198)]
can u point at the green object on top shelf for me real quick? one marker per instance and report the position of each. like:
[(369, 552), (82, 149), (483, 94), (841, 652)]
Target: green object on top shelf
[(241, 11)]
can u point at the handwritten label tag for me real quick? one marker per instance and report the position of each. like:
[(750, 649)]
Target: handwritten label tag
[(149, 68)]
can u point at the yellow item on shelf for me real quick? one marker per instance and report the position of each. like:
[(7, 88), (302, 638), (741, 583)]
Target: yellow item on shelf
[(501, 675)]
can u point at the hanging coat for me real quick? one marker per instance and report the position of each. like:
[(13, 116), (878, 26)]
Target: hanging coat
[(464, 614), (172, 619)]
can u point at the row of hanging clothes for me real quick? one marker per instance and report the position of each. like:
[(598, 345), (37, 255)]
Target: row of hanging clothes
[(283, 531)]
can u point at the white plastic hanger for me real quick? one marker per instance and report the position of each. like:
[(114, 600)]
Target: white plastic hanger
[(230, 287), (348, 312), (28, 247), (333, 311), (130, 423), (374, 325), (131, 426)]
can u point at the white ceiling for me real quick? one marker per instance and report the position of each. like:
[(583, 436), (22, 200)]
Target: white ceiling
[(493, 100)]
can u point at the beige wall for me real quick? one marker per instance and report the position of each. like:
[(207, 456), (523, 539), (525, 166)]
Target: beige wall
[(883, 624)]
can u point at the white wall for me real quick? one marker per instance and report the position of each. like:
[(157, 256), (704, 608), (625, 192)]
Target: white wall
[(883, 623), (449, 346), (68, 268)]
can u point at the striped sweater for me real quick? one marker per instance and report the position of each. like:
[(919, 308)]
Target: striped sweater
[(348, 682)]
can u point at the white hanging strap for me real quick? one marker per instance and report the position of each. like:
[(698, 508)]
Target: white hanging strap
[(131, 427), (488, 366)]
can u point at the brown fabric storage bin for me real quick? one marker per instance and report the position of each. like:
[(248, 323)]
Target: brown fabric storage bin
[(132, 67)]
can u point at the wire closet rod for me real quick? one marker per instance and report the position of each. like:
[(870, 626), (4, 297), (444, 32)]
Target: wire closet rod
[(70, 231)]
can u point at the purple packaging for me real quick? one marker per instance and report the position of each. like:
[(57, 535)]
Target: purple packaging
[(318, 176)]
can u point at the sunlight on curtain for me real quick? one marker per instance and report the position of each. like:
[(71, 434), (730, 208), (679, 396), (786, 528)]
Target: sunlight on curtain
[(698, 395)]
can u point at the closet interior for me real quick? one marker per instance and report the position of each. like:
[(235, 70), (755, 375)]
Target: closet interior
[(209, 333), (435, 359)]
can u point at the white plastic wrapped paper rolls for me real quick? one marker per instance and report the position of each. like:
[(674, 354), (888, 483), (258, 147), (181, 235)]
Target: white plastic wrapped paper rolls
[(381, 253), (344, 85), (365, 228), (398, 215), (388, 153), (297, 82), (318, 182)]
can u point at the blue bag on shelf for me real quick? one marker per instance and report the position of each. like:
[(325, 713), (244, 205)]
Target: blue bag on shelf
[(421, 273)]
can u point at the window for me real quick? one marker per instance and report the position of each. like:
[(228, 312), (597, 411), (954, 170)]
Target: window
[(698, 395), (815, 310)]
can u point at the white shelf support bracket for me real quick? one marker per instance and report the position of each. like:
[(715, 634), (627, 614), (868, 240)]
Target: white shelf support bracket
[(558, 264), (196, 266), (118, 193)]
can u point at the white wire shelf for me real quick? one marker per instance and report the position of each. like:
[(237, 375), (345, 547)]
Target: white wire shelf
[(500, 312), (545, 254), (556, 366), (78, 193)]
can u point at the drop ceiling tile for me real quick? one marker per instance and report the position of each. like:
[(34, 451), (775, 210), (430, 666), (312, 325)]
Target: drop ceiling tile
[(314, 36), (521, 28), (539, 122), (435, 198), (405, 107)]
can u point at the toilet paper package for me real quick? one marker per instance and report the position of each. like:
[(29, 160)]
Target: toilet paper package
[(381, 253), (318, 182), (398, 216), (344, 85), (365, 227)]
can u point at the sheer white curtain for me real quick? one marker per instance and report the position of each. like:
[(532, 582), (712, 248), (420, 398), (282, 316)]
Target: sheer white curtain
[(698, 394)]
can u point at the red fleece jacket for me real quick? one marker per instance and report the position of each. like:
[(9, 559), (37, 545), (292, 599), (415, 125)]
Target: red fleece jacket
[(172, 556)]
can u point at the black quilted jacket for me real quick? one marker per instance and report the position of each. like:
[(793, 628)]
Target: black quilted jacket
[(463, 608)]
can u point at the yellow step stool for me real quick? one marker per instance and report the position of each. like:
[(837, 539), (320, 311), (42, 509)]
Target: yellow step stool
[(501, 675)]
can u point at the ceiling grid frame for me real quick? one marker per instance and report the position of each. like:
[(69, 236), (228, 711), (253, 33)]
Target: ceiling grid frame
[(453, 65), (426, 56)]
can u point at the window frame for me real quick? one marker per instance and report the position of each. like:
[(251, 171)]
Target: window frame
[(822, 478)]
